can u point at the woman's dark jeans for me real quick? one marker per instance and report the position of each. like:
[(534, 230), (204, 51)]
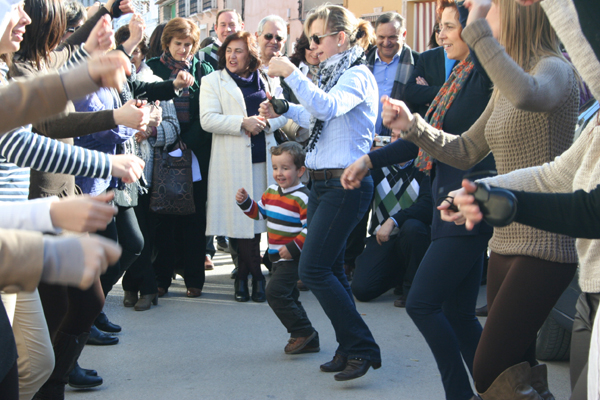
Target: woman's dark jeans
[(332, 214), (442, 302)]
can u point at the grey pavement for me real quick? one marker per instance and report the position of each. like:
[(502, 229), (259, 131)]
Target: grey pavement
[(212, 347)]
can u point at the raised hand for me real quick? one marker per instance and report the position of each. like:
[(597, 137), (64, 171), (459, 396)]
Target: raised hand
[(395, 114), (133, 115), (183, 80), (137, 26), (281, 66), (109, 70), (241, 195), (102, 38), (127, 167)]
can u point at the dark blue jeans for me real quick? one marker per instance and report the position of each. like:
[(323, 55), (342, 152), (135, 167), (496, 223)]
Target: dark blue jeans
[(332, 214), (441, 303)]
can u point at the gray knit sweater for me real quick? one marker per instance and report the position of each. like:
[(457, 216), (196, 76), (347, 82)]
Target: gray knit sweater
[(528, 121), (579, 167)]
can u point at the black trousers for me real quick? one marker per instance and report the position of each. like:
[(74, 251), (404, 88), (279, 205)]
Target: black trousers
[(140, 276), (282, 295), (382, 267), (181, 244)]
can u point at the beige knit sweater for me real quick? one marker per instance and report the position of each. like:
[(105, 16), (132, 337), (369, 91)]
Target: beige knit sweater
[(529, 122), (579, 167)]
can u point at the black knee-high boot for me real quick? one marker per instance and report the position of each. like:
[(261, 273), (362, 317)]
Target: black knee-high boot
[(67, 349)]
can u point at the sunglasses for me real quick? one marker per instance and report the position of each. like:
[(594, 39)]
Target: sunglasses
[(317, 39), (269, 36)]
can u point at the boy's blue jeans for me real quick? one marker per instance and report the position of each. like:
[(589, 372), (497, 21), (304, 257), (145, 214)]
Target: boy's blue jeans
[(332, 214)]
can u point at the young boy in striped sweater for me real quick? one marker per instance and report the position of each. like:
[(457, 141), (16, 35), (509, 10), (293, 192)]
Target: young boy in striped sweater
[(284, 207)]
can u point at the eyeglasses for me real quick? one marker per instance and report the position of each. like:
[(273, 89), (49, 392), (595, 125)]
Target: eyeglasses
[(317, 39), (269, 36), (73, 29)]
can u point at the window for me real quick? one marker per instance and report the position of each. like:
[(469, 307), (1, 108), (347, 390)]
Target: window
[(193, 7), (166, 14), (181, 8), (209, 4)]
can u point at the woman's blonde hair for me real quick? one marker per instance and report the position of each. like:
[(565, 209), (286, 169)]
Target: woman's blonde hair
[(339, 19), (526, 33)]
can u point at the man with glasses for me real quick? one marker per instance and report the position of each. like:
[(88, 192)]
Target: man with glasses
[(392, 61), (228, 22), (271, 36)]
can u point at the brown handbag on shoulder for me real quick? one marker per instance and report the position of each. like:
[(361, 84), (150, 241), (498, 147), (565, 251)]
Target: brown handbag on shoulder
[(172, 189)]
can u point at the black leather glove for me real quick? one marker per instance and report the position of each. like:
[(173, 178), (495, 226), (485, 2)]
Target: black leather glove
[(280, 106), (498, 206)]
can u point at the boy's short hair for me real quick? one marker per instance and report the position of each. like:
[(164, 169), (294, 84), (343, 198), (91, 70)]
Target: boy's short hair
[(292, 148)]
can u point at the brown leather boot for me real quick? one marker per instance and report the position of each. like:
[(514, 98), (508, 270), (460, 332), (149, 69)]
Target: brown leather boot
[(512, 384), (539, 381)]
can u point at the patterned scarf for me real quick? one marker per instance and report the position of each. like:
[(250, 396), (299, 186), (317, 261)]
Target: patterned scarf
[(182, 103), (440, 105), (330, 72)]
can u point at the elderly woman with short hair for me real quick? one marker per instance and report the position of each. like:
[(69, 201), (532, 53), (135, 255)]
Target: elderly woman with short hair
[(242, 139), (184, 236)]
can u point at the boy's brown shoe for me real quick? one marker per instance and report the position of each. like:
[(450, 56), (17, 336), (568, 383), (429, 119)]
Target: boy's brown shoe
[(304, 344)]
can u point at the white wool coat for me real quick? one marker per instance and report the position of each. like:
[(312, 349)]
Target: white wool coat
[(222, 109)]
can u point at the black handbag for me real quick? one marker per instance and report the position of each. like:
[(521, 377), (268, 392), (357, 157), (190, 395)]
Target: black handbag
[(172, 189)]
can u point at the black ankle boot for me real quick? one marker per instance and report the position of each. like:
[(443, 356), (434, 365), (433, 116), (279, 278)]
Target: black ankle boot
[(79, 379), (258, 290), (99, 338), (105, 325), (241, 290), (67, 349)]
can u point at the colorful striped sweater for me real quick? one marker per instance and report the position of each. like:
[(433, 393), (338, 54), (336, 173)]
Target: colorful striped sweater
[(285, 212)]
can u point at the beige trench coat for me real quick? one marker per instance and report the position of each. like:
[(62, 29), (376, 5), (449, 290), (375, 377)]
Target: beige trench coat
[(222, 109)]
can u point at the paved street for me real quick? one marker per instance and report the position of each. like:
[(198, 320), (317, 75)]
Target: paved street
[(215, 348)]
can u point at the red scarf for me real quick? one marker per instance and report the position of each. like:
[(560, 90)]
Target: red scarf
[(440, 105)]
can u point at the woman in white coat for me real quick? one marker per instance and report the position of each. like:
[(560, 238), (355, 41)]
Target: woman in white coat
[(230, 98)]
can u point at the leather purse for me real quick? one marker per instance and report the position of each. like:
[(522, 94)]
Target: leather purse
[(172, 189)]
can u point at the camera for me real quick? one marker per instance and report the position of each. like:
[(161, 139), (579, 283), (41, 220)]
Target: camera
[(383, 140)]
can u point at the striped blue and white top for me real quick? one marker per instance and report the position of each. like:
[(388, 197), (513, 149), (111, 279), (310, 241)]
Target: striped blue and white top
[(21, 149)]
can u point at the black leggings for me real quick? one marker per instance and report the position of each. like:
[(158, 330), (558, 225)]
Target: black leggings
[(125, 230), (69, 309), (140, 276), (521, 292)]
